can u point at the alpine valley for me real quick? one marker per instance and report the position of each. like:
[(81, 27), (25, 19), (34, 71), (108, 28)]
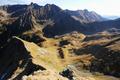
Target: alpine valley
[(49, 43)]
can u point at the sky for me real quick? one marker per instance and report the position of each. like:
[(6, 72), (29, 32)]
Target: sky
[(102, 7)]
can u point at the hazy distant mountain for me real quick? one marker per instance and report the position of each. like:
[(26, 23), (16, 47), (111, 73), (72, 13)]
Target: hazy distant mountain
[(112, 17), (110, 25), (85, 16)]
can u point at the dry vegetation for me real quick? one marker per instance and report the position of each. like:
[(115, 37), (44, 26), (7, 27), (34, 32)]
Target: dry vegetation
[(49, 56)]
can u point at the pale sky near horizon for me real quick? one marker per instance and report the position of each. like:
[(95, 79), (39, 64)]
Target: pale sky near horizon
[(102, 7)]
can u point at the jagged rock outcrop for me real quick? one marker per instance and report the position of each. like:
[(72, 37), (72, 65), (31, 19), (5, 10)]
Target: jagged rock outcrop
[(24, 23)]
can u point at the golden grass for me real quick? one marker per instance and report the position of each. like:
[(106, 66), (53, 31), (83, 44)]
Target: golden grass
[(47, 57)]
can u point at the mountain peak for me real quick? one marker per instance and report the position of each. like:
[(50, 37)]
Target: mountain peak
[(85, 10), (31, 3), (24, 22), (85, 16), (53, 6), (34, 5)]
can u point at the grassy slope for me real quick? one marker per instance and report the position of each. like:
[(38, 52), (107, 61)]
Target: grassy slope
[(47, 56)]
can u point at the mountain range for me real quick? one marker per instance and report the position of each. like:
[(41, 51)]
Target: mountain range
[(85, 16), (51, 19), (111, 17), (47, 16), (47, 42)]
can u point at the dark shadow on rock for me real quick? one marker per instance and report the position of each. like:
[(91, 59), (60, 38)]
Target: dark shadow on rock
[(14, 56)]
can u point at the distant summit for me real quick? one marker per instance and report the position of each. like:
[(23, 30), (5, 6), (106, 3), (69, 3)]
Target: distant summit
[(111, 17), (85, 16)]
